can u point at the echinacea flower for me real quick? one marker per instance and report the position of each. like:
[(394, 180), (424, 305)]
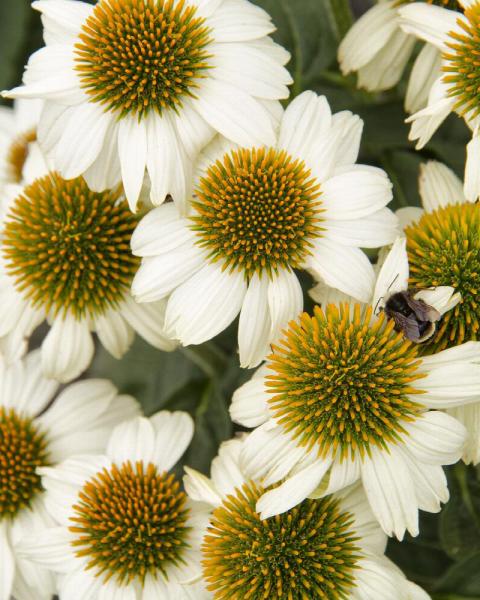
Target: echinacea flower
[(135, 85), (125, 529), (328, 547), (36, 433), (65, 257), (344, 397), (258, 214), (378, 49), (457, 38)]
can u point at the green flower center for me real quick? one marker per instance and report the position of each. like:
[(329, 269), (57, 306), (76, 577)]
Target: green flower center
[(343, 382), (68, 248), (130, 521), (444, 249), (258, 210), (23, 448), (307, 552), (138, 55), (18, 153), (462, 68)]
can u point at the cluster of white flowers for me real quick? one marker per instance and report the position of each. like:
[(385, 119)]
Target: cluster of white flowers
[(151, 181)]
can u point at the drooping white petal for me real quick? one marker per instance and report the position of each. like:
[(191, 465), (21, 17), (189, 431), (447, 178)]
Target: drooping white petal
[(114, 333), (439, 186), (346, 130), (285, 300), (200, 488), (428, 22), (255, 325), (79, 584), (158, 276), (342, 267), (443, 298), (435, 438), (105, 172), (173, 434), (342, 474), (148, 320), (389, 488), (472, 172), (7, 562), (225, 470), (449, 385), (132, 150), (132, 441), (425, 71), (235, 114), (292, 491), (68, 348), (378, 579), (194, 132), (249, 405), (469, 416), (51, 548), (356, 192), (67, 16), (393, 275), (378, 229), (206, 304), (161, 230)]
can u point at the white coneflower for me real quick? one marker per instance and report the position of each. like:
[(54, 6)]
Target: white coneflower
[(259, 213), (65, 257), (443, 250), (35, 433), (135, 85), (329, 547), (345, 397), (125, 529), (457, 37), (378, 50)]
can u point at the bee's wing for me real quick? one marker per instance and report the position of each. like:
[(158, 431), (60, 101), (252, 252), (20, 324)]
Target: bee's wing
[(423, 311), (408, 326)]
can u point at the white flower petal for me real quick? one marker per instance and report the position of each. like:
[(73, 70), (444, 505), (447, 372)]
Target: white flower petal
[(50, 548), (194, 132), (409, 215), (469, 416), (342, 474), (285, 300), (79, 585), (114, 333), (66, 15), (254, 327), (148, 320), (430, 23), (389, 488), (68, 348), (342, 267), (378, 229), (239, 21), (200, 488), (132, 149), (439, 186), (435, 438), (105, 171), (158, 276), (225, 471), (449, 385), (470, 351), (132, 441), (234, 114), (472, 172), (7, 563), (292, 491), (393, 275), (206, 304), (173, 434), (430, 483), (443, 298), (346, 130), (34, 390), (425, 71), (110, 590), (358, 191), (249, 405)]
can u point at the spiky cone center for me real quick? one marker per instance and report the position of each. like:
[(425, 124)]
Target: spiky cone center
[(68, 248), (131, 521), (343, 381), (23, 448), (308, 552), (17, 154), (462, 63), (258, 210), (134, 56), (444, 249)]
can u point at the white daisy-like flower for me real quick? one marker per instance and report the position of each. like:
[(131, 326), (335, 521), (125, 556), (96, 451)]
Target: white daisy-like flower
[(444, 250), (65, 256), (330, 547), (344, 397), (18, 135), (125, 529), (457, 37), (34, 433), (258, 214), (135, 85), (378, 49)]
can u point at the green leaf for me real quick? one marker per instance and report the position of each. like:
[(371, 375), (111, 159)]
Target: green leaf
[(462, 578)]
